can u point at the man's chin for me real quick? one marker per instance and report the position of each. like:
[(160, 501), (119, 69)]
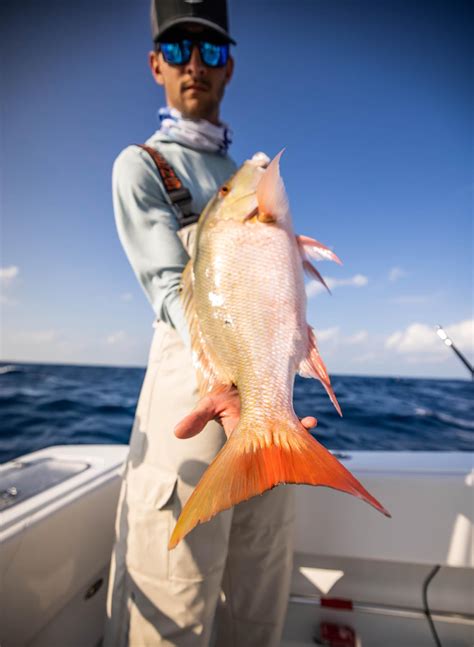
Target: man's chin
[(196, 109)]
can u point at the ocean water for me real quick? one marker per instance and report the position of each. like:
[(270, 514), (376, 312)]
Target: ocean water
[(43, 405)]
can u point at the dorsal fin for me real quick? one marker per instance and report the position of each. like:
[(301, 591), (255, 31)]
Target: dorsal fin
[(271, 194)]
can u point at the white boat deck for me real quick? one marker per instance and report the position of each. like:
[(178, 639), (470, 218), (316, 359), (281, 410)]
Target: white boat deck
[(356, 573)]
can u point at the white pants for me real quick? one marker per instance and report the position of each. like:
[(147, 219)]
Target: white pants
[(239, 562)]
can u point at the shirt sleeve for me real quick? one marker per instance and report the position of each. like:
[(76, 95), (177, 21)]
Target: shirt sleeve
[(147, 227)]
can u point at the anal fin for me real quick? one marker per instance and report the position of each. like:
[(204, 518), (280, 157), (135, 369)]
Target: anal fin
[(313, 366)]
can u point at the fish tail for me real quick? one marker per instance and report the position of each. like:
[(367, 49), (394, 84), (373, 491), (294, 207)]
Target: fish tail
[(251, 463)]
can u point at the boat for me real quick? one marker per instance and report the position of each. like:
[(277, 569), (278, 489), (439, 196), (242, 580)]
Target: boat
[(359, 579)]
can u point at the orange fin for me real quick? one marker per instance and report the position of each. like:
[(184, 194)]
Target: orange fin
[(208, 372), (313, 366), (251, 463), (271, 195), (311, 247)]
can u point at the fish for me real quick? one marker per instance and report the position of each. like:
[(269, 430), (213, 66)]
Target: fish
[(244, 299)]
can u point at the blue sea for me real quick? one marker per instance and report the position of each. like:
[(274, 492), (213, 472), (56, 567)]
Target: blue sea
[(43, 405)]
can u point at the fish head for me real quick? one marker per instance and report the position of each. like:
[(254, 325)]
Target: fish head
[(255, 193)]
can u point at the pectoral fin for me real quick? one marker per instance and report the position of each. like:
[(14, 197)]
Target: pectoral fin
[(309, 247), (313, 273)]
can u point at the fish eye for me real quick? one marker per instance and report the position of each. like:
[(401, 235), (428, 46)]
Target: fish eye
[(224, 190)]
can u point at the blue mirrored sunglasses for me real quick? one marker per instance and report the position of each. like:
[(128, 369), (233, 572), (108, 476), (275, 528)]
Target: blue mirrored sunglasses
[(179, 53)]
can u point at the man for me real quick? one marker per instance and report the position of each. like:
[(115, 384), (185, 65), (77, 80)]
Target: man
[(242, 558)]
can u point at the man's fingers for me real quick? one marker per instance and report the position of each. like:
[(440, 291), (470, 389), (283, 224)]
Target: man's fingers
[(195, 422), (224, 406), (309, 422)]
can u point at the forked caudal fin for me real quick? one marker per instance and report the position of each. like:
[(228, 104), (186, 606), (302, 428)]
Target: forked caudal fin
[(251, 463)]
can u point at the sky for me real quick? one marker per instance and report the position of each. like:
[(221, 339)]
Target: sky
[(373, 102)]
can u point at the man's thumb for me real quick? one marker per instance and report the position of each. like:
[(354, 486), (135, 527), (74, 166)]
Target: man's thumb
[(195, 422)]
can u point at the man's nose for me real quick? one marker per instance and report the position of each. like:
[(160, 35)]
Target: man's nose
[(195, 65)]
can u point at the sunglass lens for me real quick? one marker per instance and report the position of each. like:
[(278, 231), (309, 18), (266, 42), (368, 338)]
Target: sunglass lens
[(176, 53), (171, 53), (214, 55)]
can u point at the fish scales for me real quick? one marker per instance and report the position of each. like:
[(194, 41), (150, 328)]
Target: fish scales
[(256, 324)]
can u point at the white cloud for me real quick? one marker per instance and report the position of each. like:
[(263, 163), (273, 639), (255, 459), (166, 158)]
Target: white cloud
[(126, 296), (357, 338), (356, 281), (462, 334), (116, 337), (396, 273), (421, 339), (327, 334), (7, 278), (7, 274), (334, 335), (314, 288)]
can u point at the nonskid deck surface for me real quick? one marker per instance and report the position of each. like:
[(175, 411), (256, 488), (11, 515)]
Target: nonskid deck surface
[(346, 553)]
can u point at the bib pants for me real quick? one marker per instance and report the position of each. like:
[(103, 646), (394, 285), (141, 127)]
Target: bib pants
[(227, 582)]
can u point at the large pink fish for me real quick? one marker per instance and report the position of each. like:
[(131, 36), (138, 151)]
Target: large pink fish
[(245, 303)]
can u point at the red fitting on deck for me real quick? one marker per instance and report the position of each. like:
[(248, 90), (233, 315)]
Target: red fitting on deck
[(337, 603)]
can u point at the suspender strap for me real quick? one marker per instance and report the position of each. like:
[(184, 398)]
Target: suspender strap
[(178, 195)]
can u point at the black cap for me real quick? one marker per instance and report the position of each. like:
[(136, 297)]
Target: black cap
[(171, 13)]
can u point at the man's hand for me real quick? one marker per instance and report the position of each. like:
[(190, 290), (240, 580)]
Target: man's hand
[(224, 407)]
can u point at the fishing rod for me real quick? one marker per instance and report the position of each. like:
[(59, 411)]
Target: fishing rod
[(449, 342)]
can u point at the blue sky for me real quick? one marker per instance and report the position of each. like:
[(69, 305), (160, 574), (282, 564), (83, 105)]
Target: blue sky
[(373, 102)]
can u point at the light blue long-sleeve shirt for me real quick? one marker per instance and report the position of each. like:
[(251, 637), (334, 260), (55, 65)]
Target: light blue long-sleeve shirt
[(147, 224)]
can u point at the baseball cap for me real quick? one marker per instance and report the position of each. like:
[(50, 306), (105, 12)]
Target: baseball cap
[(211, 14)]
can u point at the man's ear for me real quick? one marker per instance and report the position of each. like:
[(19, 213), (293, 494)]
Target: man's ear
[(154, 61), (229, 71)]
